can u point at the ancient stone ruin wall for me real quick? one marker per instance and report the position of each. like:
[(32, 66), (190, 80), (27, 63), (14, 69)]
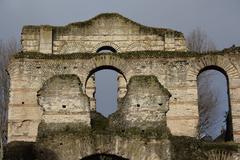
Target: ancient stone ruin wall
[(65, 91), (177, 73), (49, 60), (144, 106), (109, 31), (103, 30)]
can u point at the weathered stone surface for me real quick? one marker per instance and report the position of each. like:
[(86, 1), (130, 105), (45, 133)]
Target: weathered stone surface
[(177, 73), (62, 100), (108, 29), (72, 146), (52, 83), (144, 105)]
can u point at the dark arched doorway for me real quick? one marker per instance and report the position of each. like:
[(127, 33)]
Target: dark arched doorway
[(103, 157), (215, 122)]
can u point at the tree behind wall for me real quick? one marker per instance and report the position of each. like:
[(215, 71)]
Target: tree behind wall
[(7, 48), (198, 41)]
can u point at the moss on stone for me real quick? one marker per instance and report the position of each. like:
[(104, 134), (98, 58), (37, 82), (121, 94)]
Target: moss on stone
[(145, 134), (188, 148), (38, 55), (181, 148), (125, 55), (45, 130), (99, 123)]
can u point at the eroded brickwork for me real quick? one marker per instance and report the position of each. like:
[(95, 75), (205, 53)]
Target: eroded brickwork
[(62, 101), (103, 30), (177, 75), (145, 104)]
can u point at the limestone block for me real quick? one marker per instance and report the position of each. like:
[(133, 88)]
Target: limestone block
[(157, 48), (236, 123), (184, 95), (34, 37), (234, 83), (17, 113), (45, 39), (145, 104), (25, 130), (169, 46), (83, 118), (23, 96), (235, 107), (182, 110), (237, 138), (30, 42), (183, 127), (234, 94), (30, 48)]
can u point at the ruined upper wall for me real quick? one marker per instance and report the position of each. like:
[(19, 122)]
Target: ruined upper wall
[(176, 71), (109, 29)]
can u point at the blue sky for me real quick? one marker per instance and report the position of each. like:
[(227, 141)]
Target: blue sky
[(219, 18)]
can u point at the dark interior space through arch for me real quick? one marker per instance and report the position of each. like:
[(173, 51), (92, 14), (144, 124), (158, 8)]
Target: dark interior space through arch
[(103, 157)]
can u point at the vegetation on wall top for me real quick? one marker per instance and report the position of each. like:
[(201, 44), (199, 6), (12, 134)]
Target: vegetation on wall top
[(142, 28), (125, 55)]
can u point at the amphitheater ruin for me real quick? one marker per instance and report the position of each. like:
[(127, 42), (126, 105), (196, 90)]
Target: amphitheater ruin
[(52, 107)]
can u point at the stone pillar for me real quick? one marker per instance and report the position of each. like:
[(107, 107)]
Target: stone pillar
[(90, 92), (46, 40), (144, 106), (121, 86), (169, 42)]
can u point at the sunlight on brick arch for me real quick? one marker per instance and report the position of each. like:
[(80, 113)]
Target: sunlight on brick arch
[(106, 43)]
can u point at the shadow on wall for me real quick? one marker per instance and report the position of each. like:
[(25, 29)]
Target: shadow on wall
[(27, 151), (103, 157)]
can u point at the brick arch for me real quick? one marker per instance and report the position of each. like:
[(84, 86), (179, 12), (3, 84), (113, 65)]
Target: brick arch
[(139, 46), (198, 64), (72, 47), (224, 66), (106, 61), (106, 43)]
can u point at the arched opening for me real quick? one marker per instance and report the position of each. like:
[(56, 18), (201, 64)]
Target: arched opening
[(104, 85), (103, 157), (108, 88), (215, 121), (106, 49)]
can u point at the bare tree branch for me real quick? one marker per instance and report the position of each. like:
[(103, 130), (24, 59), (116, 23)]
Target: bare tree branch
[(7, 48), (198, 41)]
